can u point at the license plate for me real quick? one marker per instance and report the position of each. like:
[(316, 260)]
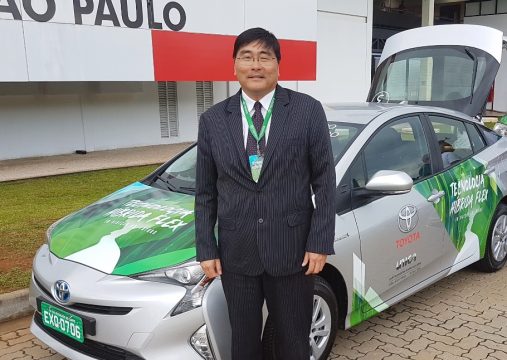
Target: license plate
[(62, 321)]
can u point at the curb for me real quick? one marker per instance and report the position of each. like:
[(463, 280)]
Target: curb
[(14, 305)]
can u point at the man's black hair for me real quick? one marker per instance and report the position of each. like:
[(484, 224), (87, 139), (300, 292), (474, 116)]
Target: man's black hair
[(261, 36)]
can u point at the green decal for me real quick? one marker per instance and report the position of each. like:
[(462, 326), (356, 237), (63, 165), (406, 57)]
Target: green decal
[(469, 203), (134, 230), (365, 304)]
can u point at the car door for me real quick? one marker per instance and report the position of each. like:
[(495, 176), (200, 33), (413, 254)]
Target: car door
[(401, 235), (470, 185)]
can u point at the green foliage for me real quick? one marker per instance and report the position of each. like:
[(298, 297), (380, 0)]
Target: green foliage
[(14, 279)]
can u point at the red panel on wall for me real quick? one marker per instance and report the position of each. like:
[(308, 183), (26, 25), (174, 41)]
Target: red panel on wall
[(179, 56)]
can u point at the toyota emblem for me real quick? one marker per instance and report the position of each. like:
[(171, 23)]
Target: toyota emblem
[(61, 291), (407, 218)]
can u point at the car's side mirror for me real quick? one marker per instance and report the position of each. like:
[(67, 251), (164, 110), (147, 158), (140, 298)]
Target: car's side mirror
[(389, 182)]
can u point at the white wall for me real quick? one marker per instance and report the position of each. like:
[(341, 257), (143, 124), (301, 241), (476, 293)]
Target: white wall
[(343, 52), (116, 119), (63, 52), (42, 120), (13, 62), (344, 35), (498, 22), (36, 125)]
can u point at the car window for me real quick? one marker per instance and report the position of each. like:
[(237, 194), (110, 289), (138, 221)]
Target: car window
[(357, 177), (490, 136), (453, 140), (400, 145), (436, 74), (342, 135), (476, 139)]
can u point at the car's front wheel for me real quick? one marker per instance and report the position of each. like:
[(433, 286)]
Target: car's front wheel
[(496, 247), (323, 329)]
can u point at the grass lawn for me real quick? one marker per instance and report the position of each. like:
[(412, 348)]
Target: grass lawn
[(29, 207)]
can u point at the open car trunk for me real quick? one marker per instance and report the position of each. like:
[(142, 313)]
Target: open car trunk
[(450, 66)]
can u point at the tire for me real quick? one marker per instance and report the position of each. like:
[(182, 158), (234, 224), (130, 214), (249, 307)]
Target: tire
[(328, 307), (496, 246)]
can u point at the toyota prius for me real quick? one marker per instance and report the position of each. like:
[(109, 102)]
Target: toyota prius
[(421, 194)]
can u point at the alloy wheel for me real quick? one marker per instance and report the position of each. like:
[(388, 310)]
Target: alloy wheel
[(321, 327), (499, 239)]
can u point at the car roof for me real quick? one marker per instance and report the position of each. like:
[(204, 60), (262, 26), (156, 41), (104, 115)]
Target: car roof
[(364, 113)]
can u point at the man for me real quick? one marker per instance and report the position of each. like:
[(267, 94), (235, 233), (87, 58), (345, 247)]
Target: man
[(260, 155)]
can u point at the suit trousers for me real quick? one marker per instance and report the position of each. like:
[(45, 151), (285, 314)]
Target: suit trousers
[(289, 300)]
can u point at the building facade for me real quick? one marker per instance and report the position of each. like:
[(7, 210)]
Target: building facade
[(105, 74), (492, 13)]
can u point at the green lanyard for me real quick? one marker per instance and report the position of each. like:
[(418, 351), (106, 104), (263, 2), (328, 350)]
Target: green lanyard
[(251, 125)]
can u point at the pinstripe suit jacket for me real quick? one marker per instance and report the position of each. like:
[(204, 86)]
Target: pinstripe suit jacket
[(265, 226)]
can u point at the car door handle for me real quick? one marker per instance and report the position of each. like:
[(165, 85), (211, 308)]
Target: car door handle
[(489, 170), (435, 197)]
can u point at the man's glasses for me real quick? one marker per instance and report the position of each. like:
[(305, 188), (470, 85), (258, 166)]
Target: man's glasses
[(248, 60)]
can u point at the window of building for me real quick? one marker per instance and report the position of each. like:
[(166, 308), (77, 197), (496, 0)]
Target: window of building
[(204, 94), (501, 7), (488, 7), (168, 108), (473, 9)]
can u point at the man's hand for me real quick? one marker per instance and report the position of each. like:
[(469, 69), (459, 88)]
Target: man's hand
[(212, 268), (315, 262)]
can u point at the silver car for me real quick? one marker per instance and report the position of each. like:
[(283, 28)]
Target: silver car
[(421, 192)]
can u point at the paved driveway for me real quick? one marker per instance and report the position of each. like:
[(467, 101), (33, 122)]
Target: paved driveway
[(461, 317)]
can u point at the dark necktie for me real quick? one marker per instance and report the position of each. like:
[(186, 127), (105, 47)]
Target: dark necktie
[(251, 143)]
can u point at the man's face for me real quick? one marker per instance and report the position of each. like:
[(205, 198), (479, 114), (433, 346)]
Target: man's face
[(257, 77)]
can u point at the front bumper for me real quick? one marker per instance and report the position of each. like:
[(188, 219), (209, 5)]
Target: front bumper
[(132, 317)]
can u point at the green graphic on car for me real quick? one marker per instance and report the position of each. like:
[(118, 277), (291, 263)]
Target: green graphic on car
[(365, 303), (134, 230), (470, 200)]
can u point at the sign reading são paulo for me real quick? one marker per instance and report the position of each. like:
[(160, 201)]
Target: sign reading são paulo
[(120, 13)]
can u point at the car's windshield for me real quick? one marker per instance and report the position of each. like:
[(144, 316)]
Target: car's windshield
[(180, 175), (342, 135)]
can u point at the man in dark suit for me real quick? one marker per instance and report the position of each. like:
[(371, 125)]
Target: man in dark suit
[(260, 155)]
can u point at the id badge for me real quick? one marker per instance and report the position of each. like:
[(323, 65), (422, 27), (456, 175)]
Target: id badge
[(256, 166)]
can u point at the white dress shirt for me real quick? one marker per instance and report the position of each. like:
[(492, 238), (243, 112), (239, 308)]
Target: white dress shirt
[(265, 101)]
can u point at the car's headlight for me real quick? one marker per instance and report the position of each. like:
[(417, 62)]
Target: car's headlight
[(500, 129), (189, 275)]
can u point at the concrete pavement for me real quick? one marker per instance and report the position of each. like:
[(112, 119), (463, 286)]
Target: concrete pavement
[(71, 163), (461, 317)]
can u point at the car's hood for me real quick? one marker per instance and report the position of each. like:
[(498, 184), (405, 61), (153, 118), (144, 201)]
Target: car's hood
[(134, 230)]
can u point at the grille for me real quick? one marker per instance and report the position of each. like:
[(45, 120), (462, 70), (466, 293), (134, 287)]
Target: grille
[(91, 348), (89, 308)]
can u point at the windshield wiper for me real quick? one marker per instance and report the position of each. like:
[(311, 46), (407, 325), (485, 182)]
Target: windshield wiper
[(187, 188), (166, 182), (174, 188)]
